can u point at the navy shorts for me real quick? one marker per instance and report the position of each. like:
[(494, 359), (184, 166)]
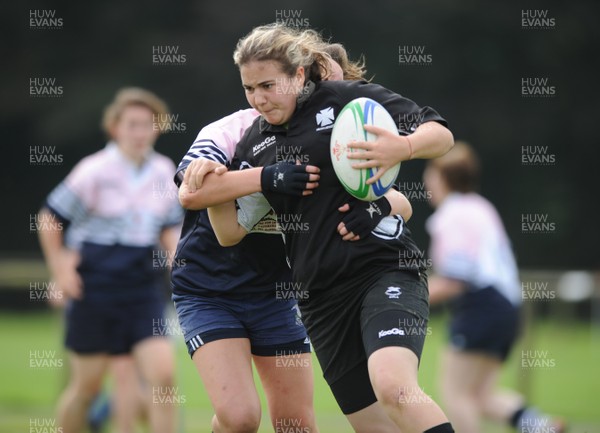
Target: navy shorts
[(273, 326), (484, 321), (112, 326)]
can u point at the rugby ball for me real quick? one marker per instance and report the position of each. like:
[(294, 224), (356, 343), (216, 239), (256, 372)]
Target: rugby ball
[(348, 127)]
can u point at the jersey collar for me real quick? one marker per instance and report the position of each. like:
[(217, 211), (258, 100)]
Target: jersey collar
[(307, 91)]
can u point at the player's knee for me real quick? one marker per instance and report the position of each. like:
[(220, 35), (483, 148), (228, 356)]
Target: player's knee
[(301, 420), (397, 396), (161, 376), (86, 391), (240, 419), (485, 404), (164, 378), (488, 402), (240, 424), (374, 427)]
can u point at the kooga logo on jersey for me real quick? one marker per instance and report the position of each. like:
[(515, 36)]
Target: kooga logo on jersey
[(256, 149), (393, 331)]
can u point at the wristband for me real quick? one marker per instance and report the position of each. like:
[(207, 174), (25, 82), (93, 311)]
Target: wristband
[(409, 148)]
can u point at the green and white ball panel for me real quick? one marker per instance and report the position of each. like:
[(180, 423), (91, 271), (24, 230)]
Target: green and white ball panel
[(348, 127)]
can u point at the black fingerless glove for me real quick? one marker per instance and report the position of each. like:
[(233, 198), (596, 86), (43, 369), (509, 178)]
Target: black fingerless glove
[(364, 216), (284, 178)]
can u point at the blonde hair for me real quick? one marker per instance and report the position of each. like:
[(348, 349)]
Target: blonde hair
[(353, 70), (290, 47), (136, 96)]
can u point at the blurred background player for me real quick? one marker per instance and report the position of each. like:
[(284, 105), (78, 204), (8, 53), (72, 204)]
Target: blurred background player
[(110, 214), (126, 402), (475, 270)]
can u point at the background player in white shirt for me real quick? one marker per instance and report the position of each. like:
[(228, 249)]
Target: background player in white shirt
[(108, 217), (475, 271)]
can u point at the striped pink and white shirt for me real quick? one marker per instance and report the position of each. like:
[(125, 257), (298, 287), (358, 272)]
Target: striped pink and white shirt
[(108, 200), (469, 243)]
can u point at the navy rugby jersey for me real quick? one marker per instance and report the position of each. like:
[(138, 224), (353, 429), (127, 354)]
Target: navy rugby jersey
[(319, 257), (203, 267)]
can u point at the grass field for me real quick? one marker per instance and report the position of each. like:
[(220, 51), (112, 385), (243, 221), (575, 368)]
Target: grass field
[(567, 383)]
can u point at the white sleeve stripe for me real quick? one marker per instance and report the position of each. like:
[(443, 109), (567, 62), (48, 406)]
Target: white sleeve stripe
[(201, 154), (203, 140), (208, 145), (390, 227), (204, 154), (209, 151), (66, 202)]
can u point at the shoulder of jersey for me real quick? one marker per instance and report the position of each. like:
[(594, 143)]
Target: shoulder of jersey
[(164, 161), (466, 213), (345, 91), (341, 86), (94, 162), (240, 117)]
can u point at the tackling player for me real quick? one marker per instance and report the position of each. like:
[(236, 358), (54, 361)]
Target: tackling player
[(225, 298)]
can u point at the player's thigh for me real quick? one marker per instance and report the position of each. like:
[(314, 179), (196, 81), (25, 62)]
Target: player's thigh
[(156, 360), (394, 326), (128, 396), (372, 419), (87, 372), (126, 377), (467, 372), (123, 369), (225, 367), (288, 383), (393, 373)]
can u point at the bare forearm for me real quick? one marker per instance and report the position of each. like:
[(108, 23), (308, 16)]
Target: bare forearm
[(443, 289), (430, 140), (224, 221), (169, 238), (400, 204), (219, 189), (52, 243)]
